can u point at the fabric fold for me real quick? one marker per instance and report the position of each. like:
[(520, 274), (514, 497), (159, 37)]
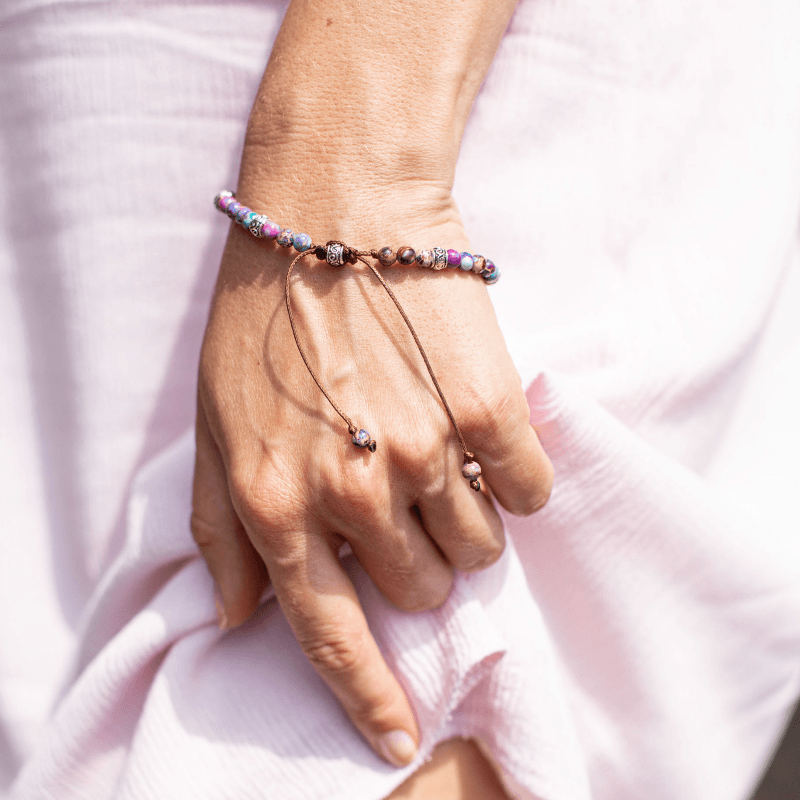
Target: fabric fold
[(167, 705)]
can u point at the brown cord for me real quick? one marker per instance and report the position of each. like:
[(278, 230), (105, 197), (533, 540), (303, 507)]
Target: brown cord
[(350, 427), (351, 256)]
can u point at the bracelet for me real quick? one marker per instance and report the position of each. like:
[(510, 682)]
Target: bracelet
[(338, 254), (435, 258)]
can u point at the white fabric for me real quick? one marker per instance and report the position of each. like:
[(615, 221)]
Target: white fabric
[(634, 168)]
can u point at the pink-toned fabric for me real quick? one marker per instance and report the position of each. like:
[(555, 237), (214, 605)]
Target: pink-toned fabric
[(641, 635)]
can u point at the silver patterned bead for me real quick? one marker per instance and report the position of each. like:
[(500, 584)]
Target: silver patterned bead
[(439, 258), (256, 224), (335, 254)]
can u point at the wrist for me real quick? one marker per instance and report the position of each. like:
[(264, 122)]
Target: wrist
[(364, 214)]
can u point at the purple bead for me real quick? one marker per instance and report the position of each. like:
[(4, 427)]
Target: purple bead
[(233, 207), (466, 262), (493, 279), (242, 213), (453, 258), (301, 242), (223, 196), (285, 237), (489, 270), (270, 230), (224, 202)]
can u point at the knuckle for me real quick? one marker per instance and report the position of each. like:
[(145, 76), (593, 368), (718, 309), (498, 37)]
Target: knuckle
[(498, 417), (412, 595), (334, 652), (410, 580), (266, 498), (475, 559), (352, 495), (289, 555), (421, 456), (426, 595)]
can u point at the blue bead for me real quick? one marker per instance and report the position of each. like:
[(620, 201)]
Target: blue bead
[(301, 241), (493, 278), (248, 218), (466, 262)]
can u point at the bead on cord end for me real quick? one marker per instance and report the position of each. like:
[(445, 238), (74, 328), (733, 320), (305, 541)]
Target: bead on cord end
[(361, 438), (472, 471)]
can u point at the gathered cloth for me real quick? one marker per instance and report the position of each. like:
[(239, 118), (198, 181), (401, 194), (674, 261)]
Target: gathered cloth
[(634, 170)]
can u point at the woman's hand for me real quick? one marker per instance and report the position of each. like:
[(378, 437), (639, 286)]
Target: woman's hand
[(277, 480)]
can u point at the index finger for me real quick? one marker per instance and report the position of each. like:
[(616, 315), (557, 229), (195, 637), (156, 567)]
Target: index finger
[(322, 607)]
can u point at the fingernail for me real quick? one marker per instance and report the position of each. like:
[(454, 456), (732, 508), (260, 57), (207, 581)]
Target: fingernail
[(222, 617), (398, 748)]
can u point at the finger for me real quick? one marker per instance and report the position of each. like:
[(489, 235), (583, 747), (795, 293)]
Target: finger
[(238, 571), (407, 568), (521, 478), (512, 460), (324, 612), (463, 523)]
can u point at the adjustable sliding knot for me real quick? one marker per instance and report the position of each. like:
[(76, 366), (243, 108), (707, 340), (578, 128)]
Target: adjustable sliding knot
[(337, 254)]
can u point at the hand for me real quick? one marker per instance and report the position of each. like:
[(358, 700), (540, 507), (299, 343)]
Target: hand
[(278, 482)]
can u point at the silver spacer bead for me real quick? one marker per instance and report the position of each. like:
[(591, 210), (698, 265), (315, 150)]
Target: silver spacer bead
[(256, 225), (439, 258), (335, 254)]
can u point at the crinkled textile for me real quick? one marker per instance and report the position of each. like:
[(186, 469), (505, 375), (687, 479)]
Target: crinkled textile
[(639, 639)]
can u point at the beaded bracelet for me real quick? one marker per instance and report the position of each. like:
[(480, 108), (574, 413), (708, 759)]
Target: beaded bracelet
[(435, 258), (338, 254)]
